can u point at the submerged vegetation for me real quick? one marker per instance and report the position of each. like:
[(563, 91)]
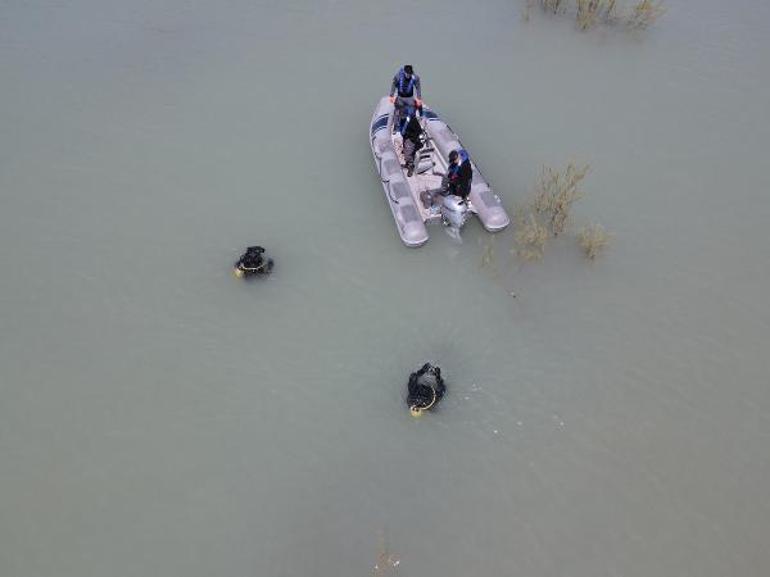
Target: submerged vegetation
[(530, 237), (591, 11), (593, 238), (549, 214), (546, 215), (555, 193), (634, 14), (644, 13)]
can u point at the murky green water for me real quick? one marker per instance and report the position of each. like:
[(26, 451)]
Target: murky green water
[(158, 417)]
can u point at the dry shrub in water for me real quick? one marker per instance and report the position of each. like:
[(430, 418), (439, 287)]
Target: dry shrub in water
[(593, 239), (589, 11), (531, 236), (640, 14), (489, 258), (644, 13), (545, 215), (551, 5), (555, 193)]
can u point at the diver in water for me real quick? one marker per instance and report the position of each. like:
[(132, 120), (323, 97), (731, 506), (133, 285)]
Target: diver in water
[(253, 263), (425, 389)]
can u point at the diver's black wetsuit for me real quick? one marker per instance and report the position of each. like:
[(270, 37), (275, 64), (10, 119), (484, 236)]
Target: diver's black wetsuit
[(251, 262), (421, 394)]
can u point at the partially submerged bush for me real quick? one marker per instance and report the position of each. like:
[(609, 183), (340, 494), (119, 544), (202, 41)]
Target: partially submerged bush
[(489, 258), (639, 14), (551, 5), (590, 11), (555, 193), (548, 214), (593, 239), (530, 236), (644, 13)]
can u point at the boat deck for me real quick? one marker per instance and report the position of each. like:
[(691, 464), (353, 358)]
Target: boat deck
[(427, 181)]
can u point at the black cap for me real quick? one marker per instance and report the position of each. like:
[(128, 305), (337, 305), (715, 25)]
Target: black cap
[(408, 69)]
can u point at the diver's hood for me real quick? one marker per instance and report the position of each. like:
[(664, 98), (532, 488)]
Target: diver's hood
[(428, 380)]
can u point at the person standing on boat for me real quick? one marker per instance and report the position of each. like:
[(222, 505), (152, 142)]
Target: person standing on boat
[(405, 89), (411, 132), (459, 174)]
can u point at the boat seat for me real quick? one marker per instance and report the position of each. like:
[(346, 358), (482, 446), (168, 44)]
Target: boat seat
[(399, 189), (380, 146), (423, 167), (389, 165)]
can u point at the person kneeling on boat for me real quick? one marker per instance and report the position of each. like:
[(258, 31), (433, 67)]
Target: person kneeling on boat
[(425, 389), (459, 174), (405, 90), (252, 263), (411, 131)]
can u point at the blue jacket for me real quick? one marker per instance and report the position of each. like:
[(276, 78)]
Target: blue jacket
[(406, 88)]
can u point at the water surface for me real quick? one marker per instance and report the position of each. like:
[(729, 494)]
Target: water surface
[(159, 418)]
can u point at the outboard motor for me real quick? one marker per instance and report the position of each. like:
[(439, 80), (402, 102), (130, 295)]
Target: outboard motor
[(253, 263), (454, 211), (425, 389)]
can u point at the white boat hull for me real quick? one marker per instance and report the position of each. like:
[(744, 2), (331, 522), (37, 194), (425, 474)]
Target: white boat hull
[(405, 194)]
